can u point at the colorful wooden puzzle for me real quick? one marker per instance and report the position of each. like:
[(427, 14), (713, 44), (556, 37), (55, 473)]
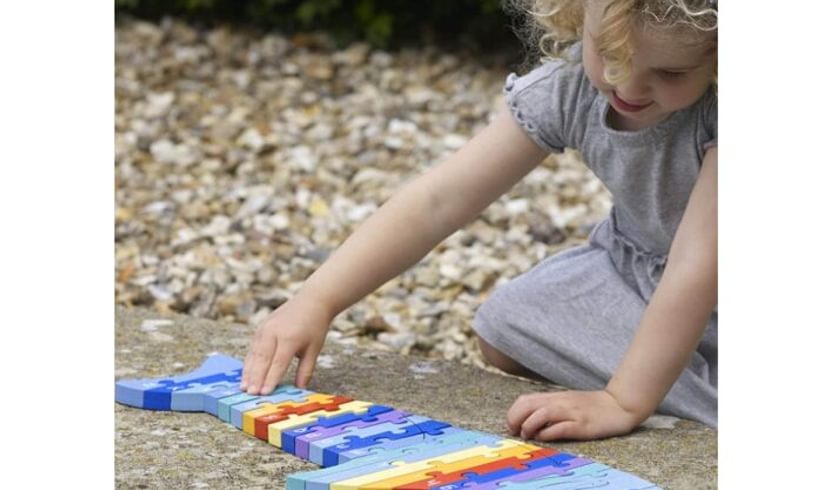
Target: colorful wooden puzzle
[(362, 445)]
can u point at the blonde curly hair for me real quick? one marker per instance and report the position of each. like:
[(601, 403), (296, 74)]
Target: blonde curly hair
[(551, 26)]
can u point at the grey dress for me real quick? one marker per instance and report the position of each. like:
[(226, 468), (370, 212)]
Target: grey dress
[(572, 317)]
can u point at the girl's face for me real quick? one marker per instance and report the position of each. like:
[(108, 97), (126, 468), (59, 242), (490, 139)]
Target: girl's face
[(667, 73)]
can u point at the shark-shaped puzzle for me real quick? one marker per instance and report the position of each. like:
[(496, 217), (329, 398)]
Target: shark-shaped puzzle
[(361, 445)]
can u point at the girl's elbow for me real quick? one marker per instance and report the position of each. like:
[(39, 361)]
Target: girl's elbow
[(698, 261)]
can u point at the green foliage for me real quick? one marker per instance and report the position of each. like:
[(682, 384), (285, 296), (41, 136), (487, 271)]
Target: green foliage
[(383, 23), (309, 10), (377, 25)]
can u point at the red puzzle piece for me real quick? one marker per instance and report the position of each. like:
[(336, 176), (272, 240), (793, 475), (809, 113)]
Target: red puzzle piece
[(262, 422)]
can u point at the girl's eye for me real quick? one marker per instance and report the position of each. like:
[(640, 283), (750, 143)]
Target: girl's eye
[(671, 75)]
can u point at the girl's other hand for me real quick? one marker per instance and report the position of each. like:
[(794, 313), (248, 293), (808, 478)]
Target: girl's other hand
[(295, 329), (577, 415)]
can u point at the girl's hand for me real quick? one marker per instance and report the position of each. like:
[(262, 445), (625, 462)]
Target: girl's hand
[(295, 329), (579, 415)]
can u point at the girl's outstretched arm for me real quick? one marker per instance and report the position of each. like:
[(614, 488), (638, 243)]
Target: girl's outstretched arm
[(396, 236), (669, 332), (679, 311)]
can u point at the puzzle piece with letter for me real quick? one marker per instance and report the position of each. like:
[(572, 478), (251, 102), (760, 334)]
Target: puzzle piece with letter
[(366, 446)]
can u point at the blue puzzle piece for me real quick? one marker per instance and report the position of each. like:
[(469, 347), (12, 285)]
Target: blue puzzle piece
[(316, 450), (379, 459), (594, 475), (289, 437), (283, 393), (156, 393), (331, 455)]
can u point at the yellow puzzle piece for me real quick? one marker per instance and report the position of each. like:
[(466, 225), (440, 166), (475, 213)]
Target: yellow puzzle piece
[(276, 429)]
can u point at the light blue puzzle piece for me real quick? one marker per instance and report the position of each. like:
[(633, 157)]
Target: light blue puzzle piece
[(156, 393), (621, 479), (193, 399), (387, 444), (379, 459), (315, 479), (225, 404), (283, 393), (299, 481), (595, 475), (211, 397), (131, 391)]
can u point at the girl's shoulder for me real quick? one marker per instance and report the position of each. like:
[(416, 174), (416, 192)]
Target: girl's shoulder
[(565, 76), (549, 101)]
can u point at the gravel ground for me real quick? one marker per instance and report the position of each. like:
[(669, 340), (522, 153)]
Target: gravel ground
[(243, 159)]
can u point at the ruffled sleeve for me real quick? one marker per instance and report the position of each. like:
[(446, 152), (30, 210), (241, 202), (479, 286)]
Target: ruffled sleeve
[(710, 120), (550, 103)]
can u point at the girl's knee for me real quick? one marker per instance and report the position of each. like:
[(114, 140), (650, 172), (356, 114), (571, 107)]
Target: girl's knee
[(500, 360), (490, 353)]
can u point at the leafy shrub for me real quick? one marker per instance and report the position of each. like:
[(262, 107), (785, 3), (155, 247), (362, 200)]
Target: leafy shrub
[(480, 23)]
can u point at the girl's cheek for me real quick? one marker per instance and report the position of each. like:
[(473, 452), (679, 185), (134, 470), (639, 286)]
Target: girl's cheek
[(593, 64), (682, 97), (595, 72)]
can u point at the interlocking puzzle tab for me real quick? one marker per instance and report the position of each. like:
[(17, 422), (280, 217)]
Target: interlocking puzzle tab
[(367, 446)]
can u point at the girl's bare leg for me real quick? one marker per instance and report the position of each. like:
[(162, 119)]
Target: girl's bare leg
[(506, 363)]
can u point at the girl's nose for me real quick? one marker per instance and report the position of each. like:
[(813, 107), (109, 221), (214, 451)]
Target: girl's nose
[(633, 90)]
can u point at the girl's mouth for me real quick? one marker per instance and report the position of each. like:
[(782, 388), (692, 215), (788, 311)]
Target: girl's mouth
[(625, 106)]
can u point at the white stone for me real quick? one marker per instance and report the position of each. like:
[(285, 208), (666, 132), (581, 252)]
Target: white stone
[(165, 151), (218, 225), (454, 141), (361, 211), (302, 198), (279, 221), (517, 206), (253, 205), (158, 104), (252, 139), (423, 367), (151, 325), (303, 157), (397, 340)]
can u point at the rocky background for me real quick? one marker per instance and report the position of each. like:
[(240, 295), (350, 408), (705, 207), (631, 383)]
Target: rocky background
[(243, 159)]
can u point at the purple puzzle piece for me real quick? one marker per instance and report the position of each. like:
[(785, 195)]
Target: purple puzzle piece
[(302, 442)]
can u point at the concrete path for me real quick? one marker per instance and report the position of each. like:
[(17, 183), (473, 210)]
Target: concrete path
[(171, 450)]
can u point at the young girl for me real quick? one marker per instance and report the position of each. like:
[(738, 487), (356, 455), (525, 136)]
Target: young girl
[(629, 319)]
